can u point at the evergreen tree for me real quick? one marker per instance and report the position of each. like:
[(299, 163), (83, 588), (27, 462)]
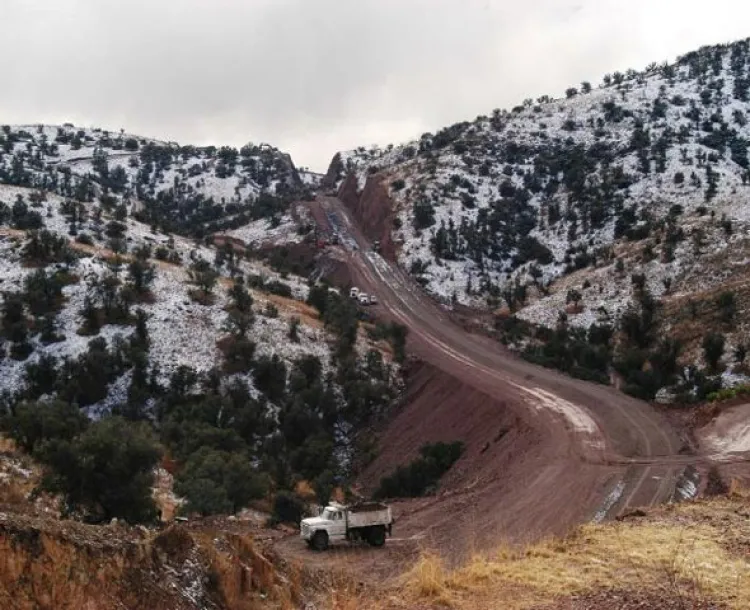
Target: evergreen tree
[(713, 349), (240, 316), (106, 471), (203, 275)]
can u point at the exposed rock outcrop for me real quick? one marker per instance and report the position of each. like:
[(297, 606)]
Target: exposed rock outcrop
[(373, 208), (334, 174), (46, 564)]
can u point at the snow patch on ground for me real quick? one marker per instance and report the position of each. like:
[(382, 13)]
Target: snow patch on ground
[(262, 232), (729, 432), (612, 498), (575, 415)]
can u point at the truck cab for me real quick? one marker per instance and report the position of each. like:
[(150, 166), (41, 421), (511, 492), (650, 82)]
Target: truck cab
[(332, 519)]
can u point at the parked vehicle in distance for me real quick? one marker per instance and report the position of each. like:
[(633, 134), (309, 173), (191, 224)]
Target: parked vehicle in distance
[(354, 292), (366, 521), (363, 298), (373, 299)]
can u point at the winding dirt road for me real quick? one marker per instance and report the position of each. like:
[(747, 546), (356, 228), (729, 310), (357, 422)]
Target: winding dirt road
[(545, 451), (582, 422)]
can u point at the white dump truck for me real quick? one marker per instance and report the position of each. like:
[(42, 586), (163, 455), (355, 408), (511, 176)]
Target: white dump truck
[(366, 521)]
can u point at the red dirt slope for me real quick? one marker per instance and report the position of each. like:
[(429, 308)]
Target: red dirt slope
[(439, 407)]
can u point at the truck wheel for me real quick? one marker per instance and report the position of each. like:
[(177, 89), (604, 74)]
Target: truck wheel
[(320, 541), (377, 536)]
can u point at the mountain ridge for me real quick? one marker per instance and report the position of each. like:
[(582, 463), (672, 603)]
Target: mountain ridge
[(190, 189), (551, 212)]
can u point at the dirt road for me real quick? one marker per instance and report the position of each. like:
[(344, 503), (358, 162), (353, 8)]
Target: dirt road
[(543, 451), (585, 421)]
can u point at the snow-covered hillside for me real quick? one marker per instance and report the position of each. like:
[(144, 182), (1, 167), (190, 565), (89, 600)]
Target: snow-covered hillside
[(142, 280), (182, 331), (550, 186), (187, 189)]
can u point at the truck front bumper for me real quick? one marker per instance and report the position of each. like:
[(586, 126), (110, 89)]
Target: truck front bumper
[(304, 532)]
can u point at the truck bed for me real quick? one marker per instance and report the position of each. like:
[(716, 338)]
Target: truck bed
[(366, 515)]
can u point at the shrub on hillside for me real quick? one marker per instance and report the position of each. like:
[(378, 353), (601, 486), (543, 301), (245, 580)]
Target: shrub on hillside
[(729, 393), (218, 482), (203, 275), (424, 215), (713, 349), (423, 474), (270, 374), (32, 423), (582, 354), (106, 471), (395, 334), (44, 248), (727, 306), (288, 508), (279, 288)]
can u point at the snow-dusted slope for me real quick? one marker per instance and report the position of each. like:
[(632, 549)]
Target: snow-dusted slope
[(553, 183), (182, 332), (192, 190)]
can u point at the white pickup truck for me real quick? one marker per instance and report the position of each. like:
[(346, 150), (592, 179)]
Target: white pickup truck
[(367, 521)]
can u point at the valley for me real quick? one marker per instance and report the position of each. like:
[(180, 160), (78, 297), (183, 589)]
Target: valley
[(555, 361)]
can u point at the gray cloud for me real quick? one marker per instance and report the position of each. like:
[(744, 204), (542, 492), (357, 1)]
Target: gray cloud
[(316, 76)]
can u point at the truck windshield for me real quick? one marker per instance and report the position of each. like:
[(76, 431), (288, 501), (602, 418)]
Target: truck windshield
[(328, 514)]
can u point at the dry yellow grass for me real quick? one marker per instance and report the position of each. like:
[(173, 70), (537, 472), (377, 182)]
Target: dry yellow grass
[(287, 307), (673, 558), (428, 577), (694, 552)]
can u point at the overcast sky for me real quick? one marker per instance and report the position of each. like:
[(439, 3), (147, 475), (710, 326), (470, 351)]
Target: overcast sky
[(316, 76)]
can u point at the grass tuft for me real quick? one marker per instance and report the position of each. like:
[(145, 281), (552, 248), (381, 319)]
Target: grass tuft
[(429, 579)]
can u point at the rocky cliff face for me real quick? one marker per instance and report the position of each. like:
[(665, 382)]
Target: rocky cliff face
[(47, 564), (373, 208), (335, 173)]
